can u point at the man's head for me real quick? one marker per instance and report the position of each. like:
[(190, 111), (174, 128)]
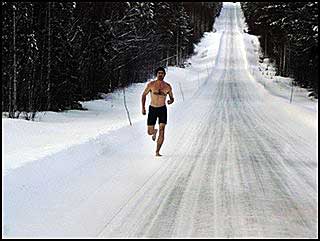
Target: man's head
[(160, 73)]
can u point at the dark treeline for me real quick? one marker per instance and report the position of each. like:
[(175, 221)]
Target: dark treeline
[(289, 36), (55, 54)]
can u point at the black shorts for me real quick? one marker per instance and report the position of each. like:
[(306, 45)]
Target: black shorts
[(157, 112)]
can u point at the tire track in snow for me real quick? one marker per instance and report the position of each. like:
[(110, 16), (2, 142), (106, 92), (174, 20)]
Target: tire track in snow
[(230, 177)]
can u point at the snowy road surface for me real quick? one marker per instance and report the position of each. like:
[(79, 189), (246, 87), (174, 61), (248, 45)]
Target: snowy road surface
[(237, 162)]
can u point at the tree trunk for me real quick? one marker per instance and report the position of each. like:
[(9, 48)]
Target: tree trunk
[(32, 97), (194, 20), (205, 20), (13, 89), (201, 21), (288, 61), (266, 44), (280, 61), (284, 59), (49, 59), (32, 82), (177, 57)]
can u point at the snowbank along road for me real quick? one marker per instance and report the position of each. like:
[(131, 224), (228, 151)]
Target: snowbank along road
[(237, 163)]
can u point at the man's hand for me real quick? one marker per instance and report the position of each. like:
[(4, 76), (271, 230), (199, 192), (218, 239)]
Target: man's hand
[(143, 110), (171, 96), (170, 101)]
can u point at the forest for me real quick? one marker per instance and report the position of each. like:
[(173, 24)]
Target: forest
[(288, 34), (55, 54)]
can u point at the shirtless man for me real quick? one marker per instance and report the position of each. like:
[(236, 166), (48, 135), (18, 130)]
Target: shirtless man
[(159, 90)]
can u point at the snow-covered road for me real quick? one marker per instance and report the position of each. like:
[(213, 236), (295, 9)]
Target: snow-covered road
[(240, 168), (237, 162)]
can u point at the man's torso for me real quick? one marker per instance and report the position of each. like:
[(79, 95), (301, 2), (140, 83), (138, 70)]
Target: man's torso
[(158, 91)]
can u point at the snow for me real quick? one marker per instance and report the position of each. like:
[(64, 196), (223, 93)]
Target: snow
[(51, 132), (239, 159), (265, 74)]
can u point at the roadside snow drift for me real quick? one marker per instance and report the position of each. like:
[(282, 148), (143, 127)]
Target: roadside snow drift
[(239, 160)]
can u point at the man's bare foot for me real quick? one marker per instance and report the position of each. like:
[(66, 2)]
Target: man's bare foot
[(154, 134), (158, 154)]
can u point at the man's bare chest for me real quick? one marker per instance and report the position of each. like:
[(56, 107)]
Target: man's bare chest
[(159, 89)]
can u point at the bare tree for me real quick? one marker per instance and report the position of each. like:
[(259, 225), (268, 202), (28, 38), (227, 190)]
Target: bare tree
[(13, 85), (49, 58)]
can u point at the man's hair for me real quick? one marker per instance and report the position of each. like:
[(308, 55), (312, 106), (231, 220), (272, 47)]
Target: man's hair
[(160, 69)]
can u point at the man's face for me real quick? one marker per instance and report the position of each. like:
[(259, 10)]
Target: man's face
[(160, 75)]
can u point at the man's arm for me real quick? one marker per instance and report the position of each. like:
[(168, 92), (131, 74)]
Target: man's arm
[(143, 98), (171, 96)]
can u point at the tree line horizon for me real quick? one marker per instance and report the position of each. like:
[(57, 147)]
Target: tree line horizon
[(55, 54)]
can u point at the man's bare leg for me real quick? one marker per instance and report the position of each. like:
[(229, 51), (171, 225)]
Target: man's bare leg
[(153, 132), (160, 138)]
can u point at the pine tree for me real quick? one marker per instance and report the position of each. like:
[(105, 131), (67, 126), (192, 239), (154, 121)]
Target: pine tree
[(289, 35)]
